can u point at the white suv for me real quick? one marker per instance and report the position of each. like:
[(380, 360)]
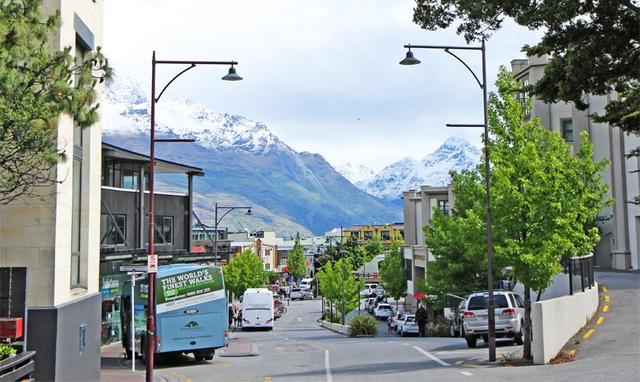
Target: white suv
[(509, 310)]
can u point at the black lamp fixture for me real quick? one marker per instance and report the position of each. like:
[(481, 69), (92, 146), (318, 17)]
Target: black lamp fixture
[(232, 75), (409, 59)]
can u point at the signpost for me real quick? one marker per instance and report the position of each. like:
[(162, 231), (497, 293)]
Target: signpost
[(152, 263), (132, 342)]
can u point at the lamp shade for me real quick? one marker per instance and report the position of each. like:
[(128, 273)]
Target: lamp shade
[(409, 59), (232, 75)]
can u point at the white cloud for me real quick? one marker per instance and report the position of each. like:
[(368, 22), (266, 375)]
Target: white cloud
[(312, 68)]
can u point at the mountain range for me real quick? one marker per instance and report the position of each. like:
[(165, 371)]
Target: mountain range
[(408, 173), (244, 163)]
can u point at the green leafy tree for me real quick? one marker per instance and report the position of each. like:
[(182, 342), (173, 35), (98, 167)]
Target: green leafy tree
[(355, 253), (547, 199), (244, 271), (296, 263), (592, 45), (37, 85), (339, 286), (392, 272)]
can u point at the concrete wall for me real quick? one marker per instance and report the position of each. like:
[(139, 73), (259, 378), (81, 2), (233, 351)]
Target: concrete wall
[(556, 320), (338, 328)]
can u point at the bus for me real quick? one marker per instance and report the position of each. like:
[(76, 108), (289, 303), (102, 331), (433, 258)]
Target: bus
[(191, 311), (257, 308)]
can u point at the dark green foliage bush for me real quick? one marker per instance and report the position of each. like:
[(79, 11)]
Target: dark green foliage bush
[(363, 325)]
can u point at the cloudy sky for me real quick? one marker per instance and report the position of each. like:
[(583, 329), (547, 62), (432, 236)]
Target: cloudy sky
[(322, 74)]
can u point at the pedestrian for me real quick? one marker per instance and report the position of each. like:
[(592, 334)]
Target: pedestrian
[(389, 324), (231, 314), (421, 319)]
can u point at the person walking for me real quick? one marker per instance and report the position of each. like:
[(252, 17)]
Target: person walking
[(421, 320)]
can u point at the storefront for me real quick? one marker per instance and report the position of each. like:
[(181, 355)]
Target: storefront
[(110, 286)]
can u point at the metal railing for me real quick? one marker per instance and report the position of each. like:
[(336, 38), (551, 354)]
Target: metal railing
[(580, 271)]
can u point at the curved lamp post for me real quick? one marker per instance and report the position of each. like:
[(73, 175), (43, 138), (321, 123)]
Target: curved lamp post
[(152, 258), (217, 221), (411, 60)]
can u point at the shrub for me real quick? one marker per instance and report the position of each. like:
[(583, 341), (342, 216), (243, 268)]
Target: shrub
[(6, 351), (438, 328), (363, 325)]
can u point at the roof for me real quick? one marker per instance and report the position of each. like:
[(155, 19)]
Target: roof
[(359, 227), (162, 166)]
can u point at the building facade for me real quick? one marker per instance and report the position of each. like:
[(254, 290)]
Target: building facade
[(387, 233), (619, 247), (124, 224), (418, 209), (56, 236)]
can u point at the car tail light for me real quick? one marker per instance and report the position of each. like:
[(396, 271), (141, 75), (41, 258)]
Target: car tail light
[(226, 333), (469, 315), (509, 312)]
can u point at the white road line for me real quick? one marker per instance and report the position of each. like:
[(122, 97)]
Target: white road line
[(466, 373), (433, 357), (326, 365)]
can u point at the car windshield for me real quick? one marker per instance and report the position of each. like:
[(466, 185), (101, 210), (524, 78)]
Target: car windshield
[(480, 302), (410, 319)]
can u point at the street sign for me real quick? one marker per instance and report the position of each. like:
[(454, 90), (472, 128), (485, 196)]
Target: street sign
[(133, 268), (152, 264)]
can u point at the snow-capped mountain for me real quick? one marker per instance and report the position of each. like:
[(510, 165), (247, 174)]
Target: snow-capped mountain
[(242, 160), (356, 173), (454, 154)]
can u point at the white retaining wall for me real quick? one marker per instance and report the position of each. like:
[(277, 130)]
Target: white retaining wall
[(556, 320), (338, 328)]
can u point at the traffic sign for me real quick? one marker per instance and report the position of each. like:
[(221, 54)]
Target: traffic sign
[(152, 264)]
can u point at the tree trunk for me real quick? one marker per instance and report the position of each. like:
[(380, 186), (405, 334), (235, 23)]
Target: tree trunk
[(526, 352)]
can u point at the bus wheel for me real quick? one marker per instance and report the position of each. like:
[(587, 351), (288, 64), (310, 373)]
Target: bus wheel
[(128, 353)]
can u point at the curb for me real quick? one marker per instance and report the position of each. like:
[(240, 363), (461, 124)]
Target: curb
[(251, 353)]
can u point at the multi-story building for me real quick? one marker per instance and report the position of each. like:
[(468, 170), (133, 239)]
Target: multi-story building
[(55, 238), (619, 247), (387, 233), (124, 223), (262, 243), (418, 210)]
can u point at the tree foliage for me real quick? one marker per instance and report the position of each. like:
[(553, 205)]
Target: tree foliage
[(593, 46), (339, 286), (296, 263), (392, 272), (244, 271), (356, 253), (37, 86)]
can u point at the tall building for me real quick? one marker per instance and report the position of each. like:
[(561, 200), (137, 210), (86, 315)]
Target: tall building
[(56, 237), (619, 247)]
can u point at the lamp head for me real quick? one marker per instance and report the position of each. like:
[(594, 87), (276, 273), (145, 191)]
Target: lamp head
[(409, 59), (232, 75)]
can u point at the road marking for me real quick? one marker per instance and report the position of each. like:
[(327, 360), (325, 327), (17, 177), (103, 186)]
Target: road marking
[(600, 320), (466, 373), (459, 362), (605, 309), (588, 333), (326, 366), (267, 379), (433, 357), (606, 298), (605, 289)]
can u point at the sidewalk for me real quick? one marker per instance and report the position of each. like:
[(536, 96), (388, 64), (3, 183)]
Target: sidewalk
[(114, 367)]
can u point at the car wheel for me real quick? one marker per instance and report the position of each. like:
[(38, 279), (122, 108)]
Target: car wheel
[(461, 330), (471, 341), (518, 337)]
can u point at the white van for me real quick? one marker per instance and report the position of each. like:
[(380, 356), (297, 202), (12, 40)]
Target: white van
[(306, 284), (257, 308)]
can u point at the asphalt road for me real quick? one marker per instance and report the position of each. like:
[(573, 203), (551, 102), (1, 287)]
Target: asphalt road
[(299, 350)]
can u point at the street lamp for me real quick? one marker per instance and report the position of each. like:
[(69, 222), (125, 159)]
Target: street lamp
[(229, 208), (411, 60), (152, 258)]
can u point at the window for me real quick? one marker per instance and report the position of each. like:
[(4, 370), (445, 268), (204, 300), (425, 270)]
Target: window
[(443, 206), (522, 97), (519, 301), (567, 129), (407, 269), (368, 235), (480, 302), (109, 226), (163, 230), (385, 235), (355, 234)]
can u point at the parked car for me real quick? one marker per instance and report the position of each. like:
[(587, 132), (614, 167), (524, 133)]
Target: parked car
[(301, 294), (509, 312), (372, 290), (306, 284), (383, 311), (399, 316), (371, 304), (408, 326)]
